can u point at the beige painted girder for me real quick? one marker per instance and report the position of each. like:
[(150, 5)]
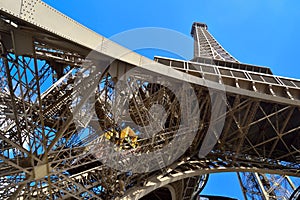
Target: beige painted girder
[(48, 19)]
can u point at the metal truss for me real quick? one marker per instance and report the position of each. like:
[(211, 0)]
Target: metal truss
[(206, 46), (262, 186), (45, 153)]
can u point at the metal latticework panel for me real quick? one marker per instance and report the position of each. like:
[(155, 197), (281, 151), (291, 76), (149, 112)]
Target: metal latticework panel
[(266, 186), (49, 149), (206, 46)]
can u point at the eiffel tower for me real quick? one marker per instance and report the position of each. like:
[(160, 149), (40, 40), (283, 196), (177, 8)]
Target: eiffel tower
[(50, 148)]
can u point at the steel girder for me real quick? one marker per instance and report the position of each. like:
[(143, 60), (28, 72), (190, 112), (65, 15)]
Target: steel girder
[(43, 156)]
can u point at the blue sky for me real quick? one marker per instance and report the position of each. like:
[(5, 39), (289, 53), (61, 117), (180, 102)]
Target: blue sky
[(261, 32)]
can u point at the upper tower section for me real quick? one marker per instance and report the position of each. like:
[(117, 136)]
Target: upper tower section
[(206, 46)]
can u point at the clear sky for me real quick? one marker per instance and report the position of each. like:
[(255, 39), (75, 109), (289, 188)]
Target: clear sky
[(261, 32)]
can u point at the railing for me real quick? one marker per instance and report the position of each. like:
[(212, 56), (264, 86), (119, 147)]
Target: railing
[(240, 78)]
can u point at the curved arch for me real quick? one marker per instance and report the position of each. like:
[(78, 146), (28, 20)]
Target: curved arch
[(201, 185), (172, 191), (168, 192), (160, 181)]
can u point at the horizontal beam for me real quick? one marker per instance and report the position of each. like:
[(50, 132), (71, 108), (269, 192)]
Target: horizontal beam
[(161, 181), (253, 84), (39, 14)]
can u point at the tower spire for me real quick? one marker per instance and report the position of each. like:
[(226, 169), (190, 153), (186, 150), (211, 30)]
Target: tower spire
[(205, 44)]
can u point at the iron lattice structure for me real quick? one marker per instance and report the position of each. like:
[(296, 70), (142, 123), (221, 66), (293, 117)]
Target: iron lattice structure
[(45, 154)]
